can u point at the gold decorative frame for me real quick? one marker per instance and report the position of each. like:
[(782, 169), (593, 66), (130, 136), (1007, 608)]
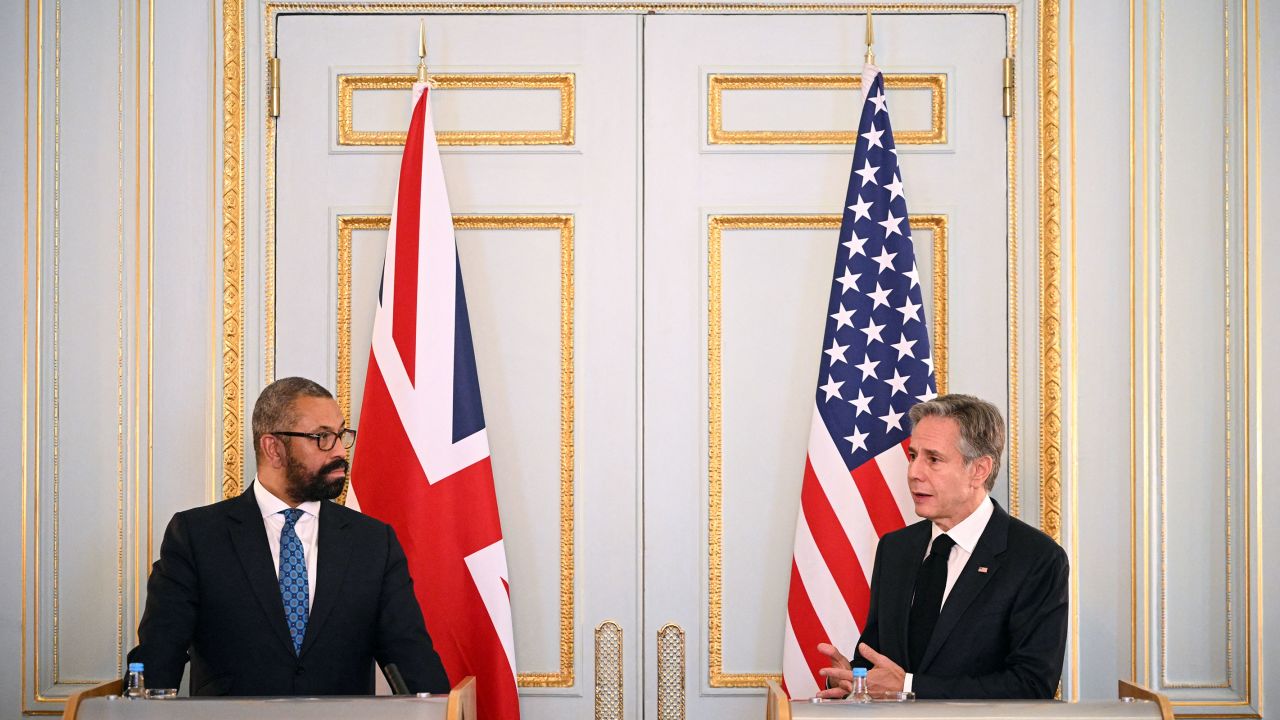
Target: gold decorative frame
[(565, 83), (233, 246), (1050, 226), (1048, 184), (609, 679), (347, 224), (716, 225), (719, 83), (671, 672)]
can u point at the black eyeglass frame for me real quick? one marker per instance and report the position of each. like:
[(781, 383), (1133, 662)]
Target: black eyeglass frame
[(348, 436)]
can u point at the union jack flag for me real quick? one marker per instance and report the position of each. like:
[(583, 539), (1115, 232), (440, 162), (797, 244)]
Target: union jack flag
[(422, 461), (876, 364)]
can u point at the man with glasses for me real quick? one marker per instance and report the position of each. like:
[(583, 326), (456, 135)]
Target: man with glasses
[(277, 591)]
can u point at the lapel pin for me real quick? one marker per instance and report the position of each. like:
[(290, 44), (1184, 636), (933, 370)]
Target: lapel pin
[(982, 568)]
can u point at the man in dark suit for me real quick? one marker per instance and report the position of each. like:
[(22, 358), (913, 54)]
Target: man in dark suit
[(277, 591), (969, 602)]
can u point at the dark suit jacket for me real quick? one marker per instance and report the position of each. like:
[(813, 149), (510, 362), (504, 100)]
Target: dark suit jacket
[(1001, 633), (213, 597)]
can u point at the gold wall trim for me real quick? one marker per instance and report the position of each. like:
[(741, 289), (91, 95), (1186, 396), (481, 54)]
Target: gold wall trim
[(719, 83), (716, 225), (564, 83), (1050, 296), (609, 679), (233, 243), (272, 9), (671, 672), (564, 223)]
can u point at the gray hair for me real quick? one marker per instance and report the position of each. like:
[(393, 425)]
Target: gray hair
[(981, 427), (274, 409)]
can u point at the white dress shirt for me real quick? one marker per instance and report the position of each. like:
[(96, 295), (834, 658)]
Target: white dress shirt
[(966, 533), (307, 527)]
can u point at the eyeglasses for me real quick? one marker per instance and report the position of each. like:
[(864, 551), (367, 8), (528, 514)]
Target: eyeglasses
[(327, 439)]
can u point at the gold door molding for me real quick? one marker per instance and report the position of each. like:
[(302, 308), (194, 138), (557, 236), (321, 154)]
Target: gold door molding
[(720, 83), (716, 226), (563, 676), (564, 83), (1048, 222)]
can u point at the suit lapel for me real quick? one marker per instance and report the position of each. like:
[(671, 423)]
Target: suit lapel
[(249, 537), (904, 588), (970, 582), (331, 570)]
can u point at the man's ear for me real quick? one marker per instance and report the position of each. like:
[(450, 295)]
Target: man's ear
[(981, 469), (273, 450)]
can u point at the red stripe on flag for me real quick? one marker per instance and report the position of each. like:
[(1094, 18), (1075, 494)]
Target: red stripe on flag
[(807, 626), (833, 543), (881, 505), (438, 525), (404, 316)]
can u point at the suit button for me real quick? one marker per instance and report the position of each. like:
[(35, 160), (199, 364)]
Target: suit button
[(300, 670)]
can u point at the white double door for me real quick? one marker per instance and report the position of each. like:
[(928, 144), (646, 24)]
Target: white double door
[(647, 320)]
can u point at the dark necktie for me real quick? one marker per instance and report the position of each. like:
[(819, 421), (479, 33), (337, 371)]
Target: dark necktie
[(293, 579), (930, 582)]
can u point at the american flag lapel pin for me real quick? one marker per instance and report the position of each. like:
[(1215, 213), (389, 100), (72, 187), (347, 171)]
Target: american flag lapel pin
[(982, 568)]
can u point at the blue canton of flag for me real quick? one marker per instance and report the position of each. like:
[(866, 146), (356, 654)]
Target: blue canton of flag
[(876, 359)]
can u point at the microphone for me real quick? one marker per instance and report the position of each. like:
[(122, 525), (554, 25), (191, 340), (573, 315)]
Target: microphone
[(395, 679)]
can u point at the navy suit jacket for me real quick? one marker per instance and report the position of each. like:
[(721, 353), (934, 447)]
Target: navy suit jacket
[(214, 598), (1002, 631)]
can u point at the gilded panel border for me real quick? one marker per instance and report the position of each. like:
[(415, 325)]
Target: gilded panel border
[(233, 246), (1047, 169), (563, 83), (716, 225), (718, 84), (347, 224), (1050, 296)]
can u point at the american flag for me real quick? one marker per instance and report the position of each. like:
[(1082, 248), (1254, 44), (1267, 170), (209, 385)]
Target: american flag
[(875, 365), (422, 460)]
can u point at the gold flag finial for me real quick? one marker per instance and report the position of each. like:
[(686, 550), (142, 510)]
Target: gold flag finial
[(870, 58), (422, 51)]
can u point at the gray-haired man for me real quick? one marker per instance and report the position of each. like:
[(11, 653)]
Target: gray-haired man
[(969, 602)]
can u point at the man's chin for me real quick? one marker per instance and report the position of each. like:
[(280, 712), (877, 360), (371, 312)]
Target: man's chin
[(326, 488)]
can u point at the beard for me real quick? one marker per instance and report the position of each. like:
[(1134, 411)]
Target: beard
[(306, 486)]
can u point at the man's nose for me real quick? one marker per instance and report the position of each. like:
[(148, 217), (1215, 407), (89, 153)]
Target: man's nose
[(913, 465)]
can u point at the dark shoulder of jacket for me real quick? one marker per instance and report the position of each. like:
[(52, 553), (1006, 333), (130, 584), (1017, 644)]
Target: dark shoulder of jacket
[(354, 517), (1033, 541), (905, 534), (204, 514)]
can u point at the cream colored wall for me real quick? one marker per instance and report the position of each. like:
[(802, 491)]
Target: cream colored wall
[(139, 407)]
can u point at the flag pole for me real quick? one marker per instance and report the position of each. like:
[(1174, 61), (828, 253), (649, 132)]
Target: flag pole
[(422, 51), (870, 58)]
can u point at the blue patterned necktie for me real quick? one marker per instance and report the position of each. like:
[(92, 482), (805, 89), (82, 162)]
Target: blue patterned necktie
[(293, 578)]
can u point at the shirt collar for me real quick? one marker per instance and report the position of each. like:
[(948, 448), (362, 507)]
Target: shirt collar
[(269, 504), (968, 531)]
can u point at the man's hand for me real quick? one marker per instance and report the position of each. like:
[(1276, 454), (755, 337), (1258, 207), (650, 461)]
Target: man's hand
[(885, 675), (839, 676)]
